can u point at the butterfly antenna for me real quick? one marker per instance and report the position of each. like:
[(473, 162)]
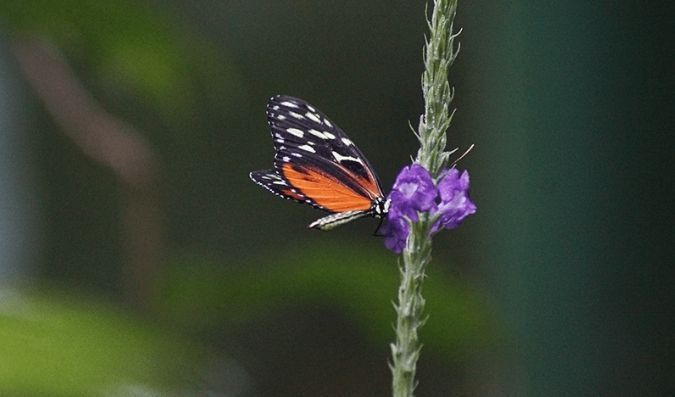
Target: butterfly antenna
[(463, 154)]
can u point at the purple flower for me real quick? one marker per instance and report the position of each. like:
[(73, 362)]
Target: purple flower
[(455, 204), (413, 191)]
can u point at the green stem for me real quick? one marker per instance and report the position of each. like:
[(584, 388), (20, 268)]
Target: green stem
[(406, 350), (439, 55)]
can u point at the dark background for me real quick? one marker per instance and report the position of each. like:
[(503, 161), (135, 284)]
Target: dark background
[(561, 284)]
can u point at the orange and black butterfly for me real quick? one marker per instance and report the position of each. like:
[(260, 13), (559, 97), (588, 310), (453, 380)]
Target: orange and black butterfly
[(317, 164)]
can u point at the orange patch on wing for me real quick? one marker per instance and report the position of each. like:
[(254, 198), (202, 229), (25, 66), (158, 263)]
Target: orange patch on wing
[(325, 190), (370, 184)]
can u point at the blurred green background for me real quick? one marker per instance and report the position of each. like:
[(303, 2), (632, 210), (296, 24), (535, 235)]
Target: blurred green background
[(183, 278)]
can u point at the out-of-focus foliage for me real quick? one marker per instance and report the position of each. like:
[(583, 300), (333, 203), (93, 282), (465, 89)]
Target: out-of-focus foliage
[(61, 344), (129, 45), (203, 295)]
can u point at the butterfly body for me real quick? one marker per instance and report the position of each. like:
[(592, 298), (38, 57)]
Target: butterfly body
[(316, 163)]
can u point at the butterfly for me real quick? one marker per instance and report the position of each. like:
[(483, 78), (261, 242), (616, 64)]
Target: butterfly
[(317, 164)]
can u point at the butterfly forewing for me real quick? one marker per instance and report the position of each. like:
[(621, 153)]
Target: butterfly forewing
[(303, 134)]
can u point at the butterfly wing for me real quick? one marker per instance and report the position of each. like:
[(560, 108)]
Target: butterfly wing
[(272, 181), (315, 162)]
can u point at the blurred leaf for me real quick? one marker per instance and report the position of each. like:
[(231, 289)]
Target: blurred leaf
[(56, 344), (362, 284)]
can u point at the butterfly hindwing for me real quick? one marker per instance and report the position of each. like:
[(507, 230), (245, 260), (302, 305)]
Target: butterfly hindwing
[(275, 183)]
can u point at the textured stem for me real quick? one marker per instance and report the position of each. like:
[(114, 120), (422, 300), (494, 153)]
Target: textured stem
[(439, 54), (410, 308)]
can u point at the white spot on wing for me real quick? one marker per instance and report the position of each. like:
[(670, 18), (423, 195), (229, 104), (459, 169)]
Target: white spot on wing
[(281, 117), (341, 158), (296, 154), (296, 115), (312, 117), (327, 123), (289, 104), (317, 133), (329, 135), (307, 148), (286, 159), (311, 108), (275, 107), (295, 131), (346, 141)]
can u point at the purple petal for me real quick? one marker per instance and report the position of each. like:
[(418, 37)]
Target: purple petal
[(413, 191), (455, 203), (395, 231)]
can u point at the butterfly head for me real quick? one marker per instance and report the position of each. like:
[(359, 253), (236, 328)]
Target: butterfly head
[(381, 207)]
